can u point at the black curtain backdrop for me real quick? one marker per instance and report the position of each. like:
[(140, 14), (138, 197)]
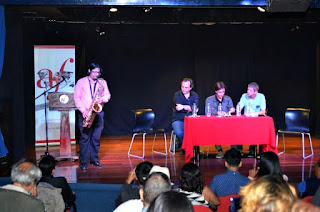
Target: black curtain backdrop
[(144, 64)]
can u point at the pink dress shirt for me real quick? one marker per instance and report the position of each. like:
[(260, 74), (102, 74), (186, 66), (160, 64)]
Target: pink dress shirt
[(82, 93)]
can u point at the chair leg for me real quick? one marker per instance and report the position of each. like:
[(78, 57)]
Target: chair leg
[(143, 145), (172, 148), (303, 146), (284, 146), (165, 144)]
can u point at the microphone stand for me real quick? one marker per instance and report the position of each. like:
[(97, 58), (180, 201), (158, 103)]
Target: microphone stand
[(45, 111)]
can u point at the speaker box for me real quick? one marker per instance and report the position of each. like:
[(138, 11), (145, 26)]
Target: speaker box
[(288, 5)]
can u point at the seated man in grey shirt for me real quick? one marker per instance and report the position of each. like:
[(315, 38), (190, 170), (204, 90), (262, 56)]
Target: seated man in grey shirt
[(226, 106)]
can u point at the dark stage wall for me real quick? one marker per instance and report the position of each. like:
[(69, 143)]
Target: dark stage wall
[(143, 65)]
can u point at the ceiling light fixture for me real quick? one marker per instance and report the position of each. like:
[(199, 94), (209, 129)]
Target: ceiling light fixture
[(113, 9), (261, 9), (146, 10)]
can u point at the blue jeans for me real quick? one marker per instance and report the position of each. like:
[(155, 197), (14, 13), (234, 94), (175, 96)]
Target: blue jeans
[(178, 127), (90, 138)]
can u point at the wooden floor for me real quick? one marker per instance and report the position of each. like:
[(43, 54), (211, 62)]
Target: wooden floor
[(116, 163)]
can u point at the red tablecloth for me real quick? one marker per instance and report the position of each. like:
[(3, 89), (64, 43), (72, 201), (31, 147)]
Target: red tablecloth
[(203, 130)]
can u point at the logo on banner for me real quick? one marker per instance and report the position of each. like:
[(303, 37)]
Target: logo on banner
[(47, 77)]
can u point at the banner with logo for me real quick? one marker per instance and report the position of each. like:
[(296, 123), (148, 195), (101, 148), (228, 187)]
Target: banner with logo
[(54, 71)]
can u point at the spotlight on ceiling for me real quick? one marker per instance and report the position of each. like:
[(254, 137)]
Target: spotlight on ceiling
[(261, 9), (146, 10), (113, 9)]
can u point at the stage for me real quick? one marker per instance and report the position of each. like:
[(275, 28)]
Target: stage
[(116, 163)]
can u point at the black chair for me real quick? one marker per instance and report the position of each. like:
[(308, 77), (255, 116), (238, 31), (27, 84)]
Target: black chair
[(297, 123), (144, 119)]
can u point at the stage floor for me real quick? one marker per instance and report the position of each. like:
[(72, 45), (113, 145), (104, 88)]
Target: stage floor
[(117, 164)]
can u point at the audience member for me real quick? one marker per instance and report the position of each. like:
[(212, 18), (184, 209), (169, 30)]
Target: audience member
[(183, 101), (140, 173), (267, 193), (269, 165), (310, 186), (156, 183), (47, 166), (231, 181), (21, 196), (192, 185), (51, 197), (226, 106), (171, 201)]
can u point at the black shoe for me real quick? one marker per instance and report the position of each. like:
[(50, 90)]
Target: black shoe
[(251, 155), (98, 164), (83, 166)]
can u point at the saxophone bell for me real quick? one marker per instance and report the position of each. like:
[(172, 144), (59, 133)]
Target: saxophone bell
[(96, 107)]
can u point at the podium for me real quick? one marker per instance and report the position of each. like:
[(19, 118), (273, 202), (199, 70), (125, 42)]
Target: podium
[(63, 102)]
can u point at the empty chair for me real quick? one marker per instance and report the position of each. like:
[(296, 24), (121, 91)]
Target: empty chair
[(297, 123), (144, 119)]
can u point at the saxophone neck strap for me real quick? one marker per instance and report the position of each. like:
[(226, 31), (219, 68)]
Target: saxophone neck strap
[(94, 88)]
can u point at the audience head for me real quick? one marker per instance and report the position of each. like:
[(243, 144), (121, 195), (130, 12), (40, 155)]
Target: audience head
[(156, 184), (142, 171), (25, 173), (191, 178), (233, 158), (47, 164), (269, 193), (171, 201), (269, 164)]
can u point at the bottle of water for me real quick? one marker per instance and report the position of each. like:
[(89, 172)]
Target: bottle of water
[(219, 110), (248, 110), (238, 112), (194, 110), (208, 110)]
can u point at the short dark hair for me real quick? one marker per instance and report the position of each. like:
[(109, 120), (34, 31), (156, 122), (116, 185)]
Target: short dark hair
[(219, 85), (233, 157), (47, 164), (269, 164), (93, 66), (171, 201), (156, 183), (254, 86), (191, 178), (188, 80), (142, 171)]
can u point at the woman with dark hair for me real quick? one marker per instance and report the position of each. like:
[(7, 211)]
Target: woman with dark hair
[(269, 165), (171, 201), (192, 185)]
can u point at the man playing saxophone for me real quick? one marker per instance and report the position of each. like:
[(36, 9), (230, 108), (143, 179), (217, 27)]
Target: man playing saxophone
[(89, 95)]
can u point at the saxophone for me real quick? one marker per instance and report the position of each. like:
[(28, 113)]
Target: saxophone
[(94, 108)]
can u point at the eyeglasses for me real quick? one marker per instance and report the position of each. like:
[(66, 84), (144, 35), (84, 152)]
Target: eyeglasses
[(96, 72)]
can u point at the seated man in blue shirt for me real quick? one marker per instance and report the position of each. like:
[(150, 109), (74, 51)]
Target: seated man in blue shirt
[(231, 181), (254, 104), (183, 101), (226, 106)]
